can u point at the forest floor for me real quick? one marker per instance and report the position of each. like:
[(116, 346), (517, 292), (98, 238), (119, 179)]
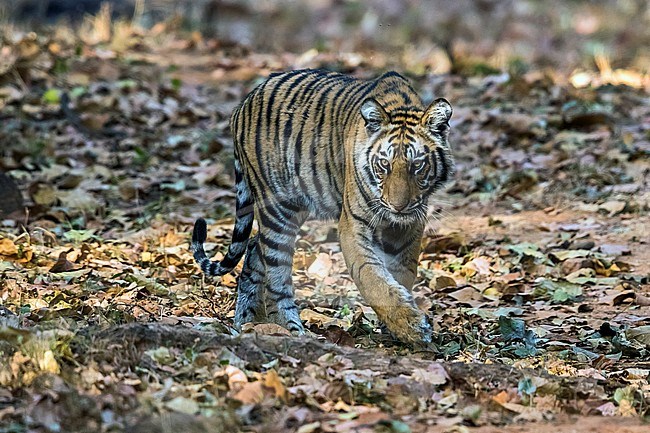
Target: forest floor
[(536, 268)]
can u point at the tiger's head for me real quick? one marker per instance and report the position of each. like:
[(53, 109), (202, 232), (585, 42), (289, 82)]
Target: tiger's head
[(407, 158)]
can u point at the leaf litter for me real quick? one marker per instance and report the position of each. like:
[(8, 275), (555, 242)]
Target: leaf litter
[(536, 275)]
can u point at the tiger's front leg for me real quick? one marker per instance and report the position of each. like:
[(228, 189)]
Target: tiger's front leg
[(401, 251), (382, 290)]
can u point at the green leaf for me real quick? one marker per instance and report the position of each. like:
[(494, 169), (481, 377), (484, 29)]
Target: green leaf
[(161, 355), (526, 386), (141, 155), (511, 329), (397, 426), (176, 84), (515, 330), (525, 351), (626, 393), (584, 355), (605, 281), (177, 186), (78, 91), (78, 236), (52, 96), (6, 266), (127, 84), (530, 250), (561, 291), (508, 311)]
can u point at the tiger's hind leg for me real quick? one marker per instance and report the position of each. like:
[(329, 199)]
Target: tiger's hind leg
[(279, 226), (250, 287)]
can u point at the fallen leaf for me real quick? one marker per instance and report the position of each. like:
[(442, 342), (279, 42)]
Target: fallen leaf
[(569, 254), (270, 329), (250, 393), (321, 267), (273, 381), (642, 300), (501, 398), (312, 317), (63, 264), (434, 374), (640, 334), (7, 247), (442, 281), (468, 295), (479, 265), (614, 249), (48, 363), (183, 405), (236, 377), (613, 207)]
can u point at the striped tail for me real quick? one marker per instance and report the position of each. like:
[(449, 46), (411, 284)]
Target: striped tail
[(240, 234)]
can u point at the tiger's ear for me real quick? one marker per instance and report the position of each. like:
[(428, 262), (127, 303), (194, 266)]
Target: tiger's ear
[(374, 115), (436, 117)]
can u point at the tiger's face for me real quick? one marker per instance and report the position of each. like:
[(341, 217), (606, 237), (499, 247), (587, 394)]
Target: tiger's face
[(408, 158)]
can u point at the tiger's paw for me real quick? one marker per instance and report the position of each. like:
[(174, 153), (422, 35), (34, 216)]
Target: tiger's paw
[(289, 319), (412, 326), (424, 331)]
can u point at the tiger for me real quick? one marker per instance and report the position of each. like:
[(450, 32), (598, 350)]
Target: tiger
[(315, 144)]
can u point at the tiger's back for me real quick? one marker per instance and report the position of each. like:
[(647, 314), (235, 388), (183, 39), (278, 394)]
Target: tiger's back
[(290, 133)]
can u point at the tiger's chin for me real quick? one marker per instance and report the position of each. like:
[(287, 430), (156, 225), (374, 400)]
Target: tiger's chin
[(407, 217)]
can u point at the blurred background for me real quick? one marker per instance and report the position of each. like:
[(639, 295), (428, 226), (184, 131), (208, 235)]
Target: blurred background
[(470, 36), (140, 86)]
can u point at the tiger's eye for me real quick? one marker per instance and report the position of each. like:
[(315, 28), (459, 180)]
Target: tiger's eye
[(384, 164), (418, 164)]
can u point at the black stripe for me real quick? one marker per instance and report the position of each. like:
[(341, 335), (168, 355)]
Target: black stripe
[(267, 220), (360, 186), (368, 263), (280, 294), (278, 246), (395, 250), (442, 177), (316, 142), (277, 85), (275, 261), (359, 218)]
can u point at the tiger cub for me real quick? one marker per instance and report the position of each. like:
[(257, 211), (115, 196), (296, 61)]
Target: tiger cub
[(317, 144)]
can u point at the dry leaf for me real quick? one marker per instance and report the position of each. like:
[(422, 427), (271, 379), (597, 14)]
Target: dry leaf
[(48, 363), (478, 265), (62, 264), (273, 381), (321, 267), (183, 405), (270, 329), (250, 393), (7, 247), (236, 377)]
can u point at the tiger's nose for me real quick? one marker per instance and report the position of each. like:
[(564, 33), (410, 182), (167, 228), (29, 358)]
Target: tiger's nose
[(400, 206)]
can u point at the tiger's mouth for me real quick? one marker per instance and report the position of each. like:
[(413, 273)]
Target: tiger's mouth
[(415, 211)]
